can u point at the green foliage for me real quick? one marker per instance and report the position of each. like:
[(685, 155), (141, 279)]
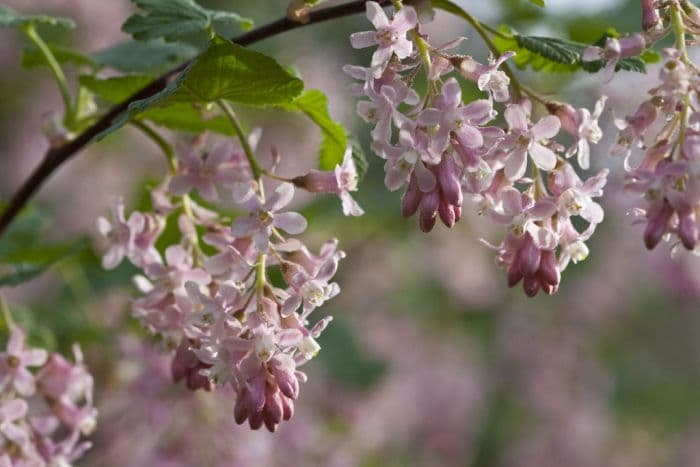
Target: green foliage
[(12, 19), (314, 104), (33, 58), (187, 117), (223, 71), (178, 19), (144, 56), (25, 265), (23, 256), (359, 156), (450, 7), (115, 89), (558, 55), (538, 2)]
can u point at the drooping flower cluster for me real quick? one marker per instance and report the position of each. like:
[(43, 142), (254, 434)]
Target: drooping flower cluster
[(443, 149), (45, 405), (212, 296), (661, 146)]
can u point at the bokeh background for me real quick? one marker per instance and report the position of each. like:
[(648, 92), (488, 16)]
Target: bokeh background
[(430, 360)]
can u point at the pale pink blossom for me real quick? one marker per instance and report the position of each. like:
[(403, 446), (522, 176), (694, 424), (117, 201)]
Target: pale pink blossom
[(390, 35)]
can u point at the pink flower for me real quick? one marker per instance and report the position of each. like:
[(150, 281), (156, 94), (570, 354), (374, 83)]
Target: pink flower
[(583, 126), (615, 50), (487, 77), (121, 234), (523, 139), (390, 36), (221, 167), (14, 362), (13, 411), (264, 217), (449, 116), (341, 181)]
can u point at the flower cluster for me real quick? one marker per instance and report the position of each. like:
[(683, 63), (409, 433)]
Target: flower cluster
[(443, 149), (233, 297), (45, 405), (661, 146)]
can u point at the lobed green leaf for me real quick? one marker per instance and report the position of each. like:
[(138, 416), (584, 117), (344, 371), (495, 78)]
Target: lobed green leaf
[(223, 71), (178, 19), (314, 104), (144, 56), (11, 19), (557, 55), (33, 58)]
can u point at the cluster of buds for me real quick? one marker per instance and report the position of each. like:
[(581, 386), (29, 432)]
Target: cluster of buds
[(661, 146), (211, 296), (45, 405), (444, 150)]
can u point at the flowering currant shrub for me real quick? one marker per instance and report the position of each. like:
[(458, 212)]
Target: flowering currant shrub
[(226, 278)]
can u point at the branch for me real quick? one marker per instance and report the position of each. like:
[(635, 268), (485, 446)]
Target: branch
[(55, 157)]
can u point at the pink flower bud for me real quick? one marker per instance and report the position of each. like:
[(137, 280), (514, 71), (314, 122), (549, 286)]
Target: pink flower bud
[(549, 270), (287, 407), (529, 257), (687, 229), (650, 16), (274, 410), (429, 204), (240, 410), (531, 285), (632, 45), (567, 116), (448, 179), (411, 198), (318, 181), (657, 225), (447, 214), (514, 274)]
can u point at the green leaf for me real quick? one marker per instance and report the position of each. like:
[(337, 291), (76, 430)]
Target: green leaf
[(115, 89), (650, 56), (181, 116), (11, 19), (555, 55), (26, 265), (359, 157), (144, 56), (187, 117), (539, 3), (23, 253), (178, 19), (223, 71), (334, 143), (33, 58)]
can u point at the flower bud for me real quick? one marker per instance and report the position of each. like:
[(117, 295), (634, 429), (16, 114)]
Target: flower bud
[(318, 181), (529, 257), (411, 198), (687, 229), (429, 205), (657, 225), (650, 15)]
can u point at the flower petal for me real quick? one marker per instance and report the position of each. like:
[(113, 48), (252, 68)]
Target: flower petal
[(291, 222), (543, 157)]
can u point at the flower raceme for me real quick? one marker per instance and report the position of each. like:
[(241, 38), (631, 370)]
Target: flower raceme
[(210, 297), (445, 151), (660, 142), (45, 405)]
